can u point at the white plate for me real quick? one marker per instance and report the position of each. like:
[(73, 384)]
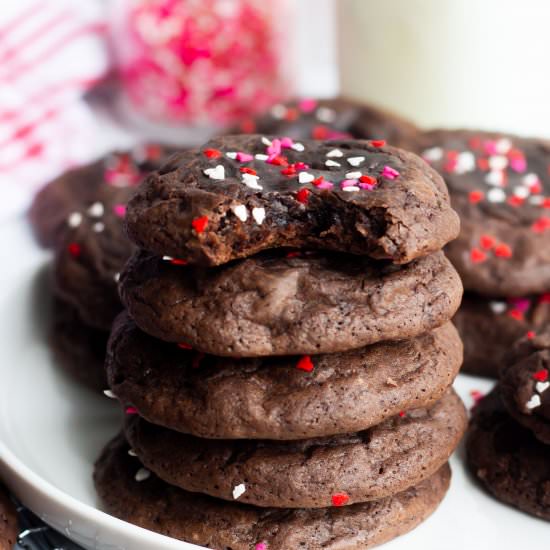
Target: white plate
[(51, 431)]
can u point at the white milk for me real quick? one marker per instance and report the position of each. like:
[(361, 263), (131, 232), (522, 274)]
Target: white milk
[(475, 63)]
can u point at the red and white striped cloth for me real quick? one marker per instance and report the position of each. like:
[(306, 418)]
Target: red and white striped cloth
[(51, 53)]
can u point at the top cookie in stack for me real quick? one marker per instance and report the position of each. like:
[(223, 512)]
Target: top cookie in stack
[(500, 186), (298, 353)]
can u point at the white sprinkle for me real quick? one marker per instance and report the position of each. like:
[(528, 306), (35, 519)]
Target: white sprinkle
[(278, 111), (537, 200), (541, 387), (239, 490), (217, 173), (131, 452), (250, 180), (325, 114), (167, 258), (109, 394), (534, 402), (496, 195), (498, 307), (332, 163), (350, 188), (98, 227), (353, 175), (266, 141), (521, 191), (498, 162), (232, 155), (530, 180), (298, 147), (142, 474), (503, 145), (356, 161), (240, 211), (261, 156), (116, 277), (305, 177), (465, 162), (74, 220), (96, 210), (259, 215), (432, 155), (495, 178), (335, 153)]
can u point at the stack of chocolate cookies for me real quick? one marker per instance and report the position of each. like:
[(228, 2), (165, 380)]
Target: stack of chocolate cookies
[(286, 356), (500, 187), (508, 445), (80, 215)]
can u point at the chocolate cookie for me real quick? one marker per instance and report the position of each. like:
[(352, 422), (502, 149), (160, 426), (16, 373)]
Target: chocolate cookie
[(488, 326), (239, 195), (508, 460), (524, 384), (78, 348), (198, 519), (278, 397), (88, 262), (332, 119), (500, 187), (8, 521), (65, 199), (368, 465), (277, 304)]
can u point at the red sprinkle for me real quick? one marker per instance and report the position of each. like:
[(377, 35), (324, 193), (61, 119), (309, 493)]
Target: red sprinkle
[(516, 314), (367, 179), (476, 196), (483, 164), (487, 242), (303, 195), (212, 153), (545, 298), (131, 410), (318, 181), (184, 346), (291, 114), (320, 132), (293, 254), (340, 499), (199, 224), (246, 170), (74, 250), (503, 251), (531, 334), (378, 142), (178, 261), (401, 414), (305, 363), (541, 375), (541, 225), (546, 202), (289, 171), (279, 161), (477, 256), (515, 201)]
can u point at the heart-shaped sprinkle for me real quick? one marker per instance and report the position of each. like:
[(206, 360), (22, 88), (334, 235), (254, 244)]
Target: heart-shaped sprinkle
[(244, 157), (199, 224), (250, 180), (286, 142), (96, 210), (259, 215), (498, 307), (74, 220), (261, 156), (266, 141), (533, 403), (541, 375), (355, 161), (475, 196), (278, 111), (503, 251), (298, 147), (477, 256), (390, 173), (350, 188), (232, 155), (239, 490), (339, 499), (305, 363), (541, 387), (487, 242), (495, 178), (109, 394), (303, 195), (433, 155), (74, 249), (305, 177), (325, 185), (131, 452), (307, 105), (217, 173), (498, 162), (98, 227), (496, 195), (353, 175), (378, 143), (274, 148), (332, 163), (325, 114), (335, 153), (213, 153), (119, 210), (142, 474), (241, 212)]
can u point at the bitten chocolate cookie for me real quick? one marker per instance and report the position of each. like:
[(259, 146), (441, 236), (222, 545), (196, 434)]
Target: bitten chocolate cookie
[(278, 397), (369, 465), (332, 119), (88, 262), (525, 384), (78, 348), (508, 460), (152, 504), (8, 521), (60, 203), (489, 326), (239, 195), (277, 304), (500, 187)]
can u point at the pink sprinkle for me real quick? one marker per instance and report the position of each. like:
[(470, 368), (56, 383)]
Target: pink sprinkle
[(244, 157), (119, 210), (286, 143), (260, 546), (306, 105), (518, 164), (367, 186), (491, 147), (348, 183), (274, 148), (131, 410), (325, 185), (523, 304), (301, 166), (390, 173)]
